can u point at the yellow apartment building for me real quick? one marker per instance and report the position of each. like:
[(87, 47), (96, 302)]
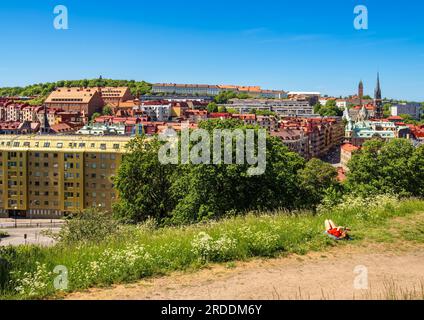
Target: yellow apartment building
[(48, 176)]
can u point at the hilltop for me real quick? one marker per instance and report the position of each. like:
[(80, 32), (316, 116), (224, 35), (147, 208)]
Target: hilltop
[(43, 89)]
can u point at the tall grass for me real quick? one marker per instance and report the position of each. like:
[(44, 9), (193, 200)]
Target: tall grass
[(135, 252)]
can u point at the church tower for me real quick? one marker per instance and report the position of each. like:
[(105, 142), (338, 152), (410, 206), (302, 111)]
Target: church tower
[(45, 126), (361, 92), (378, 102)]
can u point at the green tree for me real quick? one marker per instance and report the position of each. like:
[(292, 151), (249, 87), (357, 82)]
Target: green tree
[(107, 111), (387, 107), (407, 118), (265, 113), (222, 109), (416, 167), (212, 107), (243, 96), (383, 167), (317, 108), (315, 180), (144, 183), (329, 110), (223, 97), (211, 191), (95, 115), (232, 111)]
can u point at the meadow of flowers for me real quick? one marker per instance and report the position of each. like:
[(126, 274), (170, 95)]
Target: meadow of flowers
[(134, 252)]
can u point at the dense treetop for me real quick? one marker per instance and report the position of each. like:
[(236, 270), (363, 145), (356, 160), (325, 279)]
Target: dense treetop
[(187, 193)]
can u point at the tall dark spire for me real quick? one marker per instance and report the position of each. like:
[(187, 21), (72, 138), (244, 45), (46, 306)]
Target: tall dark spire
[(45, 126), (378, 102), (377, 93)]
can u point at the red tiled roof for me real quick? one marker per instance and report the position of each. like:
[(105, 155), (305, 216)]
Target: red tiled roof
[(10, 125), (394, 118), (220, 115), (244, 116), (61, 127), (368, 107), (349, 147)]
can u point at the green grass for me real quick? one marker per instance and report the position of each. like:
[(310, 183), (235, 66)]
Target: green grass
[(139, 252), (415, 234)]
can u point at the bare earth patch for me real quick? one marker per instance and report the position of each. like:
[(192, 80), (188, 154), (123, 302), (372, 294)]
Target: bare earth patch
[(396, 267), (314, 276)]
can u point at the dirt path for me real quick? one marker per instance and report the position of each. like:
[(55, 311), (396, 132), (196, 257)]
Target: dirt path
[(329, 275)]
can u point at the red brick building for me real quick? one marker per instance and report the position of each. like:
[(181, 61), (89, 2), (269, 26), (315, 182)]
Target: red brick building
[(85, 100)]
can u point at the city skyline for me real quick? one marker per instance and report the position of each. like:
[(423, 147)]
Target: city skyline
[(285, 45)]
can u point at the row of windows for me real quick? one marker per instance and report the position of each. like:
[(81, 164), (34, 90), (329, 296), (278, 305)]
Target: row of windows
[(102, 186), (46, 174), (43, 193), (14, 203), (102, 195), (110, 95), (46, 203), (102, 146), (103, 156), (66, 100), (95, 176), (56, 194), (68, 204), (13, 183), (102, 165), (45, 212)]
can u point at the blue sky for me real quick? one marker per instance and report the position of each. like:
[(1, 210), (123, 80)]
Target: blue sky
[(290, 45)]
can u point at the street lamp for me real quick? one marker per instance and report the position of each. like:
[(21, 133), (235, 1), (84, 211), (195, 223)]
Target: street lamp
[(15, 210)]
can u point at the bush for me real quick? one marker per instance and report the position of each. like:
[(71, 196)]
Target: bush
[(3, 234), (208, 249), (88, 226), (4, 272)]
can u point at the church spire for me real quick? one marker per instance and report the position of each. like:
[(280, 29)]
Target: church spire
[(378, 102), (378, 89), (45, 125)]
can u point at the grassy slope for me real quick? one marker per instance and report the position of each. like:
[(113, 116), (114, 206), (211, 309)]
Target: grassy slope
[(142, 252)]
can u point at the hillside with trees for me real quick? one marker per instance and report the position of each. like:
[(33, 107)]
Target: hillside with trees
[(42, 90)]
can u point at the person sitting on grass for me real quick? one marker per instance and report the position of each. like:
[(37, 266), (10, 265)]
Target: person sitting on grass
[(335, 232)]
